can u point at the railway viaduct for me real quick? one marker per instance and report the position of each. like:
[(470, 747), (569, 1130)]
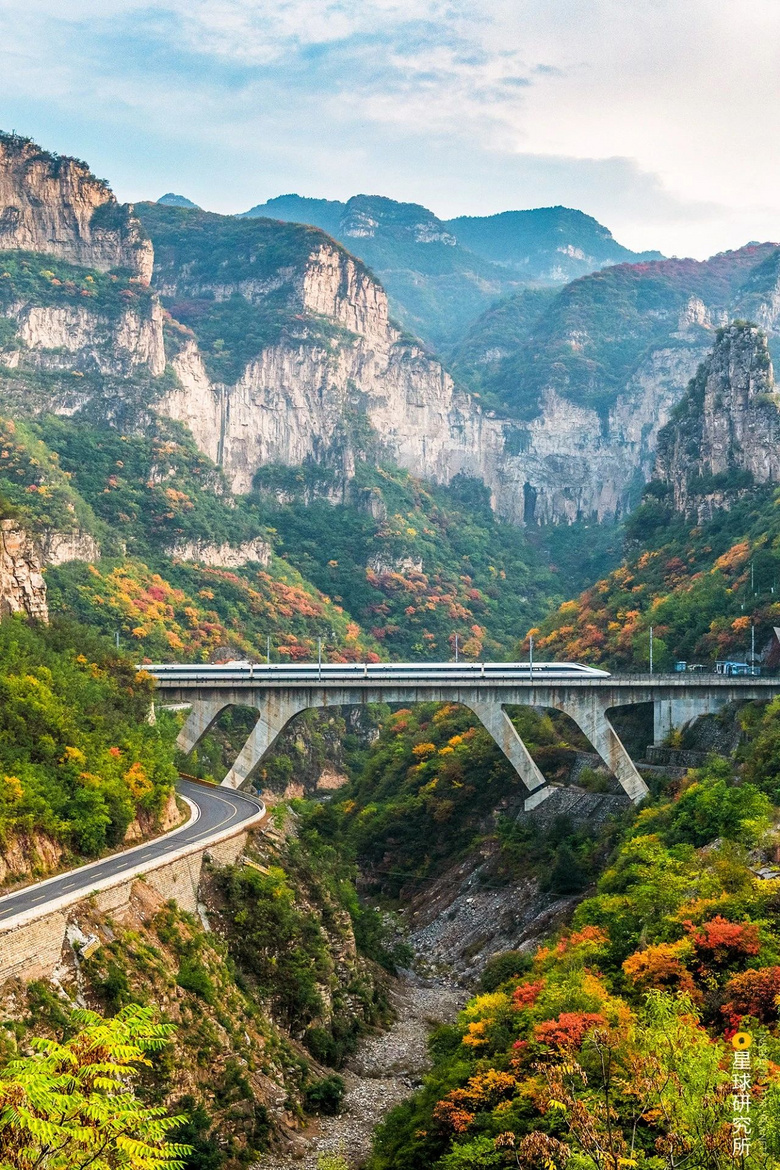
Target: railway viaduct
[(588, 700)]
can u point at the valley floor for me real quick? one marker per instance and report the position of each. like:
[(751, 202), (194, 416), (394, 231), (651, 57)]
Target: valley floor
[(383, 1072)]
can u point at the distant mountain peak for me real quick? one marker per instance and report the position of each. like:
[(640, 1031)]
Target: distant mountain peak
[(171, 200), (442, 274)]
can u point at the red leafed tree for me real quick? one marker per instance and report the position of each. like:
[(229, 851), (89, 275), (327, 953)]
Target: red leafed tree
[(720, 942), (569, 1030), (526, 994), (754, 993)]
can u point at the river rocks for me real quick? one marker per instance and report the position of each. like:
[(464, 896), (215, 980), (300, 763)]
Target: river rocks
[(384, 1071)]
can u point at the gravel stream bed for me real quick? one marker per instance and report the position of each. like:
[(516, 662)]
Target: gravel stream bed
[(385, 1070)]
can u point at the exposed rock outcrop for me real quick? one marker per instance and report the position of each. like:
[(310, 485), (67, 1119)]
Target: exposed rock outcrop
[(725, 434), (294, 403), (22, 559), (58, 548), (24, 854), (223, 556), (54, 204), (22, 588), (336, 378), (65, 337)]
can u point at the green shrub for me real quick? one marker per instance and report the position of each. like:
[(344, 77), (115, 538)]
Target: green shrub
[(194, 977), (324, 1096), (502, 967)]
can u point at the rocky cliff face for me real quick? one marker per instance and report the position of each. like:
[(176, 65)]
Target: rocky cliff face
[(725, 435), (302, 398), (22, 588), (67, 337), (289, 353), (23, 558), (55, 205), (225, 556)]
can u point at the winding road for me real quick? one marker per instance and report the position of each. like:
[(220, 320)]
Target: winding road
[(214, 812)]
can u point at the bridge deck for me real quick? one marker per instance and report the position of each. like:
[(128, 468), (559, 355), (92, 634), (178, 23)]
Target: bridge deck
[(698, 683)]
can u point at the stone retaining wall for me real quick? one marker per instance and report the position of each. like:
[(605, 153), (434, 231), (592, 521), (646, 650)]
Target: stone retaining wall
[(31, 946)]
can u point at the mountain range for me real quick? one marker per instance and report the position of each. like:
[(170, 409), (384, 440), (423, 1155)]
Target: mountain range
[(440, 274), (265, 352)]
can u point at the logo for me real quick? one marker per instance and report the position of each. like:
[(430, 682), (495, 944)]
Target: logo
[(741, 1040)]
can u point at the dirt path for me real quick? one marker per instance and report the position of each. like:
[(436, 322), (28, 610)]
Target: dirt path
[(385, 1070)]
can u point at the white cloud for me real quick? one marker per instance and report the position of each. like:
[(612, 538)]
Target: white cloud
[(651, 114)]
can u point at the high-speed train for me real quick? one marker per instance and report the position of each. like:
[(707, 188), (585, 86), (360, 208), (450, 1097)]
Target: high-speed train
[(278, 672)]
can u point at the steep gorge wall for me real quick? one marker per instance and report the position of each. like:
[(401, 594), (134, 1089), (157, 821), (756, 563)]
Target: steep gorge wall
[(341, 363), (725, 435), (297, 400), (22, 588)]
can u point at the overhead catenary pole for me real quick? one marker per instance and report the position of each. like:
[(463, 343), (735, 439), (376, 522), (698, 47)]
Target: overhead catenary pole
[(531, 657), (268, 648), (456, 647), (752, 644), (651, 649), (319, 658)]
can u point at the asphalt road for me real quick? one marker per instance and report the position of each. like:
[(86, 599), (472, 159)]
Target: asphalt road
[(217, 809)]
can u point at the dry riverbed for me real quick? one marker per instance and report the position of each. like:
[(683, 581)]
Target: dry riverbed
[(384, 1071)]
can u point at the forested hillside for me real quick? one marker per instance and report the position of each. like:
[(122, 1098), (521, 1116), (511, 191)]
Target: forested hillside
[(610, 1044), (80, 762), (442, 274), (236, 446), (702, 564)]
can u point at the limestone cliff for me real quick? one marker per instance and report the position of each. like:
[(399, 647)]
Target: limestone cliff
[(225, 556), (283, 350), (300, 399), (86, 339), (22, 588), (725, 435), (23, 556), (54, 204)]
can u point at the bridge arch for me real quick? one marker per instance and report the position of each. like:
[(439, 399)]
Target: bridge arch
[(588, 701), (277, 708)]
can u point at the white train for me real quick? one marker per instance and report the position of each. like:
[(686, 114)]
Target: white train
[(172, 672)]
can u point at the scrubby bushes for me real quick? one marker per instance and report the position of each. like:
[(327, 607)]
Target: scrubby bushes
[(78, 758)]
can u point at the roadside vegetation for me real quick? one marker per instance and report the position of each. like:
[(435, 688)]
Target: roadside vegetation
[(79, 760)]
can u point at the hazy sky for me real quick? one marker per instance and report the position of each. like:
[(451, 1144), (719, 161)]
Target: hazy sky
[(659, 117)]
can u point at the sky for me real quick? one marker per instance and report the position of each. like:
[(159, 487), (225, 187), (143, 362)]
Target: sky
[(656, 116)]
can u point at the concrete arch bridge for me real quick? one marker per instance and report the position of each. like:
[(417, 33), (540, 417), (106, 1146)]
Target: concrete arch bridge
[(279, 692)]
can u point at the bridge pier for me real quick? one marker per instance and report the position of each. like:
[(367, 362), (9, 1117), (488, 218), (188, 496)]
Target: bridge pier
[(587, 700), (673, 714), (275, 713), (502, 730), (203, 713), (589, 712)]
